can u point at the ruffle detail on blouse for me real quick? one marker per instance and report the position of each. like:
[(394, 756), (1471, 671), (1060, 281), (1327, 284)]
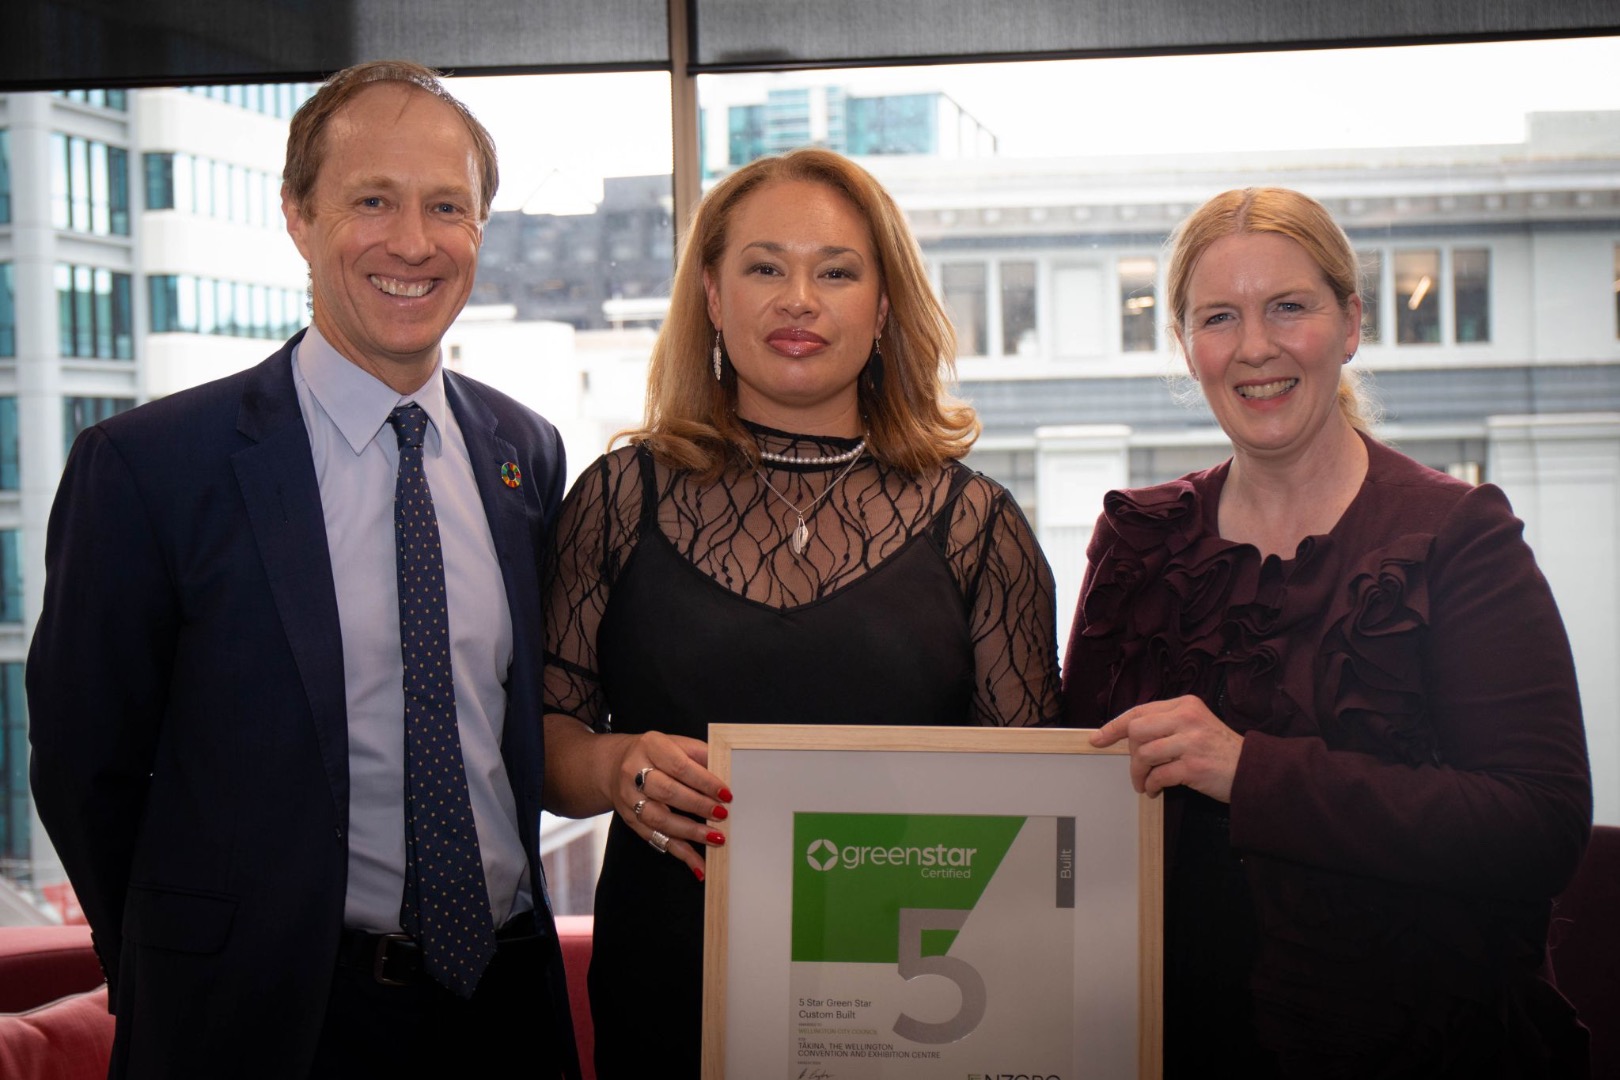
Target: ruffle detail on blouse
[(1195, 614)]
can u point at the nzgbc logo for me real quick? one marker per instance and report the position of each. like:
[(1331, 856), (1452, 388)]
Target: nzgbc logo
[(822, 854)]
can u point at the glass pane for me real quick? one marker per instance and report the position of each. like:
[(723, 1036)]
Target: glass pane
[(100, 194), (185, 297), (5, 176), (1471, 282), (61, 208), (118, 190), (84, 311), (1018, 335), (8, 312), (1138, 304), (123, 317), (9, 444), (104, 314), (1417, 299), (207, 318), (64, 310), (1372, 286), (78, 184), (962, 286)]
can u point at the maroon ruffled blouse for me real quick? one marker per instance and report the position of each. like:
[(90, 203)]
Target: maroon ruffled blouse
[(1413, 787)]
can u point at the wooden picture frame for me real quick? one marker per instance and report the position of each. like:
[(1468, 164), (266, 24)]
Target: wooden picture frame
[(780, 926)]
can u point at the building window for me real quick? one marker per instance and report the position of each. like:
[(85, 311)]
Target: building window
[(5, 176), (1018, 333), (963, 286), (80, 413), (280, 100), (89, 186), (11, 589), (745, 133), (94, 313), (1471, 294), (1372, 287), (1014, 470), (183, 304), (8, 311), (102, 99), (209, 188), (14, 813), (1417, 301), (1138, 304), (10, 443)]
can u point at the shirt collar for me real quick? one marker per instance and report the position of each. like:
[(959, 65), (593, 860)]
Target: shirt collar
[(358, 403)]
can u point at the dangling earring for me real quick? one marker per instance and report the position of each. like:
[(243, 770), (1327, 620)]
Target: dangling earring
[(873, 372), (719, 357)]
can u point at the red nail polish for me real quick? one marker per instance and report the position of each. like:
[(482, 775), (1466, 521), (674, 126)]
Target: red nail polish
[(719, 813), (716, 838), (697, 872), (725, 794)]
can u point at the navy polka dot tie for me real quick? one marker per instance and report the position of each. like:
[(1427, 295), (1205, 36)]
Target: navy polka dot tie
[(446, 905)]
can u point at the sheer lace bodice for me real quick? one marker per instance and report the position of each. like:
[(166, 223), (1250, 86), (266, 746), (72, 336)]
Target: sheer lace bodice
[(738, 533)]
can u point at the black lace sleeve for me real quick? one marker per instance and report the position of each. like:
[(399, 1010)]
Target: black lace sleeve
[(596, 532), (1010, 593)]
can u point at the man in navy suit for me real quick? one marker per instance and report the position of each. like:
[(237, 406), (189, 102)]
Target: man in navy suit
[(218, 692)]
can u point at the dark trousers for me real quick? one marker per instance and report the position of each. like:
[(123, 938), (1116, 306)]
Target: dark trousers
[(421, 1029)]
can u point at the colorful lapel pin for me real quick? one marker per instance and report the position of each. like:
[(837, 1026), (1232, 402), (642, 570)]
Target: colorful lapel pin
[(511, 475)]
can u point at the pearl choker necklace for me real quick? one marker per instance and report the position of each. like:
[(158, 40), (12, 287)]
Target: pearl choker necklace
[(825, 459)]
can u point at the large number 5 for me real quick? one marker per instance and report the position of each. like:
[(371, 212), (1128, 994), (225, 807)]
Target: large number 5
[(913, 921)]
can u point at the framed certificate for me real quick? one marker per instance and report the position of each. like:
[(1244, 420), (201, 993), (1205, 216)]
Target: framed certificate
[(924, 902)]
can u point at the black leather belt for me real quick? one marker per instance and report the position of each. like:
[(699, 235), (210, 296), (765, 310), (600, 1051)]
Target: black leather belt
[(396, 959)]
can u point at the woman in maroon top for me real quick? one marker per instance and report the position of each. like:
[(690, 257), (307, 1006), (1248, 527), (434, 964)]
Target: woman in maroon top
[(1350, 678)]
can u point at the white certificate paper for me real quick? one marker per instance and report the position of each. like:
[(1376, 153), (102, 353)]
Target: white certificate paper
[(939, 940)]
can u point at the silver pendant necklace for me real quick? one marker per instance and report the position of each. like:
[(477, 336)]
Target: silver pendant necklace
[(801, 532)]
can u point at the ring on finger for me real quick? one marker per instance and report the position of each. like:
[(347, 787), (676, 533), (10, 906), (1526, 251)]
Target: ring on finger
[(641, 778), (639, 804), (660, 841)]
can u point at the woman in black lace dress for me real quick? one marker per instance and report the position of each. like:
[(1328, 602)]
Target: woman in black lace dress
[(789, 539)]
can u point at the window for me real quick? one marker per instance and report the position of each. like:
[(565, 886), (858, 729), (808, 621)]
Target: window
[(280, 100), (89, 186), (5, 176), (1018, 334), (8, 311), (962, 288), (102, 99), (95, 314), (1372, 286), (14, 813), (10, 479), (11, 588), (1138, 304), (1417, 301), (745, 132), (1471, 294), (183, 304), (79, 413)]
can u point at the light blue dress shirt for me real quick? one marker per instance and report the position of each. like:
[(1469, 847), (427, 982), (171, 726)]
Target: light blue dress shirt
[(356, 454)]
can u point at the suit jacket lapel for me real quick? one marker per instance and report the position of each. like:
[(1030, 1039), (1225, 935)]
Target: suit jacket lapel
[(283, 501)]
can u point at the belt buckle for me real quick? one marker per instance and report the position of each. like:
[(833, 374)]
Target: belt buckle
[(379, 966)]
